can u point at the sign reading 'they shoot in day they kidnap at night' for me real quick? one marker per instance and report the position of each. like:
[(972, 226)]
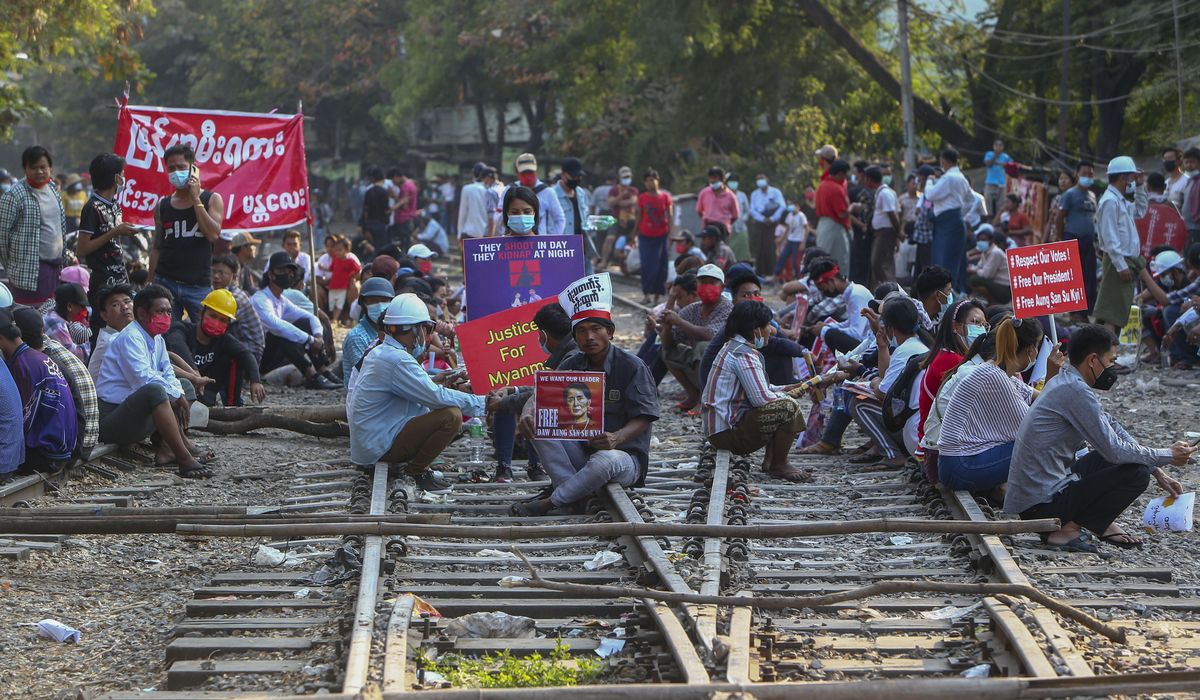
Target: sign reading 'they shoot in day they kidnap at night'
[(507, 272), (1046, 279), (502, 349)]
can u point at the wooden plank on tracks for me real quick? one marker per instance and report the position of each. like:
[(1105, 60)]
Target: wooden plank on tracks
[(395, 659)]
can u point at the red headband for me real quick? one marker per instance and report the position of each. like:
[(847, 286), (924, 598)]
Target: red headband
[(828, 275)]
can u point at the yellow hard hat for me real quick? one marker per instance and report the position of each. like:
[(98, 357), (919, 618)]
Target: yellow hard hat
[(221, 301)]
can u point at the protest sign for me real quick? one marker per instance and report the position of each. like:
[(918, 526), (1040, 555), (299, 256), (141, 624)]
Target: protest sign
[(254, 161), (504, 273), (1046, 279), (502, 349), (568, 405), (1162, 225)]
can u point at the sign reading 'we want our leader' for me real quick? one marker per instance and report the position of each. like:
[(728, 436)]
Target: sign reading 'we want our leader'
[(1046, 279)]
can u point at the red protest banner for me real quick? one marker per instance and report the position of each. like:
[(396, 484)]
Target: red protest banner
[(1046, 279), (254, 161), (1162, 225), (568, 405), (502, 349)]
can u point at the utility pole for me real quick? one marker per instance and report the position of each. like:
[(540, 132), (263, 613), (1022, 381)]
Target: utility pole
[(906, 103), (1064, 77), (1178, 65)]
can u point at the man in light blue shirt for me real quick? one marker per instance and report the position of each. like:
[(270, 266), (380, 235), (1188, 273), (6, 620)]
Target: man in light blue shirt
[(993, 185), (767, 209), (138, 392), (399, 414)]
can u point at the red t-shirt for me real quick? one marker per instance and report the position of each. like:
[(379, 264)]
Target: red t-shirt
[(340, 272), (832, 200), (654, 223), (408, 212), (942, 363)]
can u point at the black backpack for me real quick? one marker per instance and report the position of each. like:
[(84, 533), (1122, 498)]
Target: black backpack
[(896, 411)]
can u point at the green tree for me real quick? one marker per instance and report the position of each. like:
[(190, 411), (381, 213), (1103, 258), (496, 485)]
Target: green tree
[(87, 39)]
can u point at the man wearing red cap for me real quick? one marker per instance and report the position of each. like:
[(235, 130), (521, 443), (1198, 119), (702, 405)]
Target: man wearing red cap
[(579, 469)]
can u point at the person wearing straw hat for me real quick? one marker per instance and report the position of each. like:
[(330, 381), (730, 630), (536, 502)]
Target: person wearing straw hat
[(1117, 234), (622, 453)]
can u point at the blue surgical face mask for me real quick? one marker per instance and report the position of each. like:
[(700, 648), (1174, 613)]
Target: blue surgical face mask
[(375, 311), (946, 304), (791, 208), (542, 342), (733, 185), (760, 342), (887, 180), (626, 181), (974, 330), (5, 187), (1131, 188), (1085, 182), (716, 185), (982, 246), (179, 178), (520, 223), (761, 182)]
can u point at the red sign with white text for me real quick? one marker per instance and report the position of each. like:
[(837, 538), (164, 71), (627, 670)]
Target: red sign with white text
[(1162, 225), (254, 161), (1046, 279), (502, 349), (568, 405)]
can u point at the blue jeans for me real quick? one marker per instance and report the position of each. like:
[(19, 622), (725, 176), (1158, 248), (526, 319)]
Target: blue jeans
[(788, 256), (949, 245), (504, 437), (187, 297), (980, 472)]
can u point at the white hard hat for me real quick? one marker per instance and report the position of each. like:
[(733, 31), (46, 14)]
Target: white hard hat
[(420, 250), (1164, 261), (1121, 165), (406, 310), (6, 298)]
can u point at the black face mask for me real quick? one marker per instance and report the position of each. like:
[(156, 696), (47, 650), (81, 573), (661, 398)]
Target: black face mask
[(1106, 379), (1169, 166), (574, 182), (284, 279)]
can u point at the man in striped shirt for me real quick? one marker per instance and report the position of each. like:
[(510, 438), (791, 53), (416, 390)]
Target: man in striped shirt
[(741, 410)]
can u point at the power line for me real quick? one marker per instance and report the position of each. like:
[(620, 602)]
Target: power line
[(1069, 103)]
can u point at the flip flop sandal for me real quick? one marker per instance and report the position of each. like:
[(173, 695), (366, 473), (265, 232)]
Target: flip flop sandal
[(1123, 544), (200, 472), (864, 459), (1079, 544)]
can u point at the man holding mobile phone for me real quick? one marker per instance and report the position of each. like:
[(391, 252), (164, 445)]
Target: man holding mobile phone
[(186, 225)]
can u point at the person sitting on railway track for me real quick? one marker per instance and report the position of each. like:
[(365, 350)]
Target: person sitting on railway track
[(680, 293), (398, 414), (83, 389), (779, 352), (373, 299), (554, 331), (286, 340), (116, 310), (12, 424), (981, 421), (209, 349), (890, 415), (622, 453), (741, 410), (50, 422), (686, 333), (960, 326), (845, 335), (139, 393), (247, 327), (1049, 478)]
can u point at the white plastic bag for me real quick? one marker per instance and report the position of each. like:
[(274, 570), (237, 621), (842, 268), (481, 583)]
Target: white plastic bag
[(1171, 514)]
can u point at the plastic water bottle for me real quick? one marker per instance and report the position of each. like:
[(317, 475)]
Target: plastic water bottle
[(1164, 353), (475, 430), (599, 223)]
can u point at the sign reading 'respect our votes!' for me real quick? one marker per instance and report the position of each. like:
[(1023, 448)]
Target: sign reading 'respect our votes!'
[(502, 349), (568, 405), (1046, 279), (504, 273)]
